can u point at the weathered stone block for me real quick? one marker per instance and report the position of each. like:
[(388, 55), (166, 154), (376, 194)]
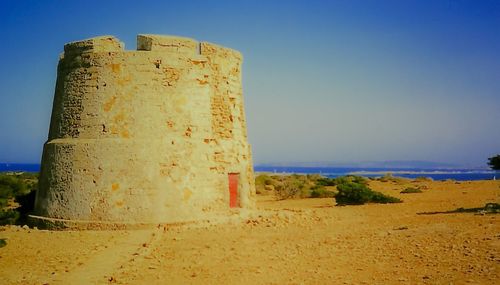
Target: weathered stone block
[(97, 44), (167, 43)]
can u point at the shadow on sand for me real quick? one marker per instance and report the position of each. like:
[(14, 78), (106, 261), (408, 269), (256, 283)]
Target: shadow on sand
[(489, 208)]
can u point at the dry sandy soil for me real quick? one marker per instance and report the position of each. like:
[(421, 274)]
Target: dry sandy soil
[(307, 241)]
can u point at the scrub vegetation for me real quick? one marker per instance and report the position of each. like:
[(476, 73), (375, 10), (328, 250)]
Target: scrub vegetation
[(17, 196), (410, 190), (347, 190)]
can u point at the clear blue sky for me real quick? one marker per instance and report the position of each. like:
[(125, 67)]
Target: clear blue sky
[(323, 80)]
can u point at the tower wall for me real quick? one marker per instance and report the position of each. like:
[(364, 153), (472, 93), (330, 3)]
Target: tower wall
[(145, 136)]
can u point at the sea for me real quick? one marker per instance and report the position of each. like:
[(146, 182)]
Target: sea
[(433, 173), (332, 172)]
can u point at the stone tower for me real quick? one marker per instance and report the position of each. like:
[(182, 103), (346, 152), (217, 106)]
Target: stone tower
[(153, 135)]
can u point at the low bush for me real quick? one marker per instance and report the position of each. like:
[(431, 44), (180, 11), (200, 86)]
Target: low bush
[(351, 178), (384, 199), (352, 193), (263, 179), (411, 190), (321, 192), (289, 187), (359, 179), (314, 177), (10, 186), (8, 217), (324, 181), (315, 186), (341, 179), (423, 179), (264, 184), (489, 208), (17, 196), (388, 177)]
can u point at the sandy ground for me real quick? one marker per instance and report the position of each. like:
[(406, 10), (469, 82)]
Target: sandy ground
[(307, 241)]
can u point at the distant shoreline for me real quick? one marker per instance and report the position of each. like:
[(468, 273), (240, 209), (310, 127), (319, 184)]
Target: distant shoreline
[(436, 173)]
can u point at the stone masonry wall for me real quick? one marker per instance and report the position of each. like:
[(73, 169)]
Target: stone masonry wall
[(147, 135)]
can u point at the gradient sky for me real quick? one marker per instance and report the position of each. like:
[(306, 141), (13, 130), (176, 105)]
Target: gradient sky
[(338, 81)]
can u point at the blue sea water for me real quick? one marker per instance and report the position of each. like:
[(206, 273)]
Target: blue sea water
[(435, 174), (332, 172), (26, 167)]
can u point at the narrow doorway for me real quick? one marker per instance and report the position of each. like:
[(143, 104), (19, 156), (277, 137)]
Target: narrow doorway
[(233, 190)]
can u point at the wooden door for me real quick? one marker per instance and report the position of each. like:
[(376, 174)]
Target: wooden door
[(233, 190)]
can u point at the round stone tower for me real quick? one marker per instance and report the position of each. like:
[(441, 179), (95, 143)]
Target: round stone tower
[(156, 135)]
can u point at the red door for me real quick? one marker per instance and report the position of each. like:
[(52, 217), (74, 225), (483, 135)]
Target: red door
[(233, 190)]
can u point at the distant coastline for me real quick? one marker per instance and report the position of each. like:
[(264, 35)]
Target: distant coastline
[(460, 174), (386, 164)]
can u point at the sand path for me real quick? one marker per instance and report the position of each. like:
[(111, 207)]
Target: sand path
[(103, 265)]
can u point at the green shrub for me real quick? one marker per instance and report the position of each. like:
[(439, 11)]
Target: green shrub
[(411, 190), (289, 187), (303, 186), (423, 179), (305, 192), (313, 177), (2, 242), (8, 217), (492, 207), (340, 180), (352, 193), (384, 199), (489, 208), (388, 177), (262, 179), (359, 179), (351, 178), (17, 195), (263, 183), (17, 184), (319, 191), (10, 186), (325, 182)]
